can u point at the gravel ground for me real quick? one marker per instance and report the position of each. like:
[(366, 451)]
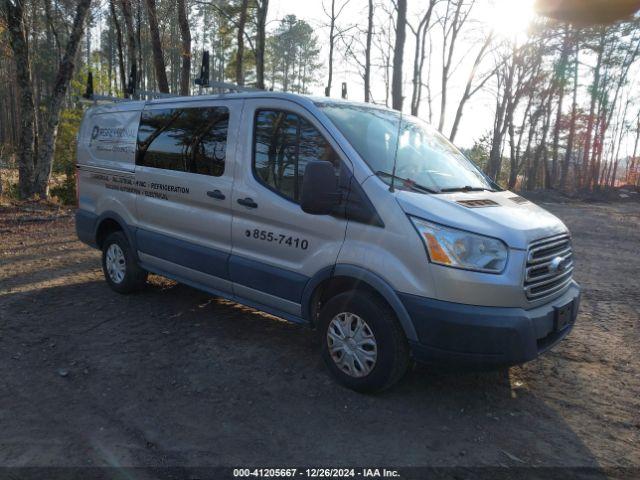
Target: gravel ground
[(174, 377)]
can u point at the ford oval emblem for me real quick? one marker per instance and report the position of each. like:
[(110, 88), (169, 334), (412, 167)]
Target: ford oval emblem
[(557, 265)]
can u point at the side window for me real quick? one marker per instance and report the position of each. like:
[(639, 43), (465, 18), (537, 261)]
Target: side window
[(159, 141), (283, 145), (190, 140)]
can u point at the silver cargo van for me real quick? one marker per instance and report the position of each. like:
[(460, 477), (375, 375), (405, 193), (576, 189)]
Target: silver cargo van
[(350, 218)]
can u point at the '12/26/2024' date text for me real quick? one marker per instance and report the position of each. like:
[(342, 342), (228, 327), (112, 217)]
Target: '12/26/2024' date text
[(315, 472)]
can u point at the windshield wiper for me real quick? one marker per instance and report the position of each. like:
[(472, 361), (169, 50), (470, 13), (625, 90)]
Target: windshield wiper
[(407, 183), (466, 188)]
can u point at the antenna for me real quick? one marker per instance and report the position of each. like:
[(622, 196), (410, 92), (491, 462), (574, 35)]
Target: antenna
[(395, 155), (203, 79), (132, 91), (344, 90), (133, 80), (90, 97), (89, 91)]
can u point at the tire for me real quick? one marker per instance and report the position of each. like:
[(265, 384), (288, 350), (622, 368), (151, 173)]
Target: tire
[(127, 277), (384, 362)]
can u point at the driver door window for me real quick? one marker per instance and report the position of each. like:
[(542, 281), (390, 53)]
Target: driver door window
[(284, 143)]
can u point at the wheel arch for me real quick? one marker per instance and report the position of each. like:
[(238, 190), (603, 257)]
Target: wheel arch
[(342, 277), (109, 222)]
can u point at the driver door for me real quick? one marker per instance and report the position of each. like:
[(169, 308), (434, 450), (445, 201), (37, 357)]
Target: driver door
[(276, 247)]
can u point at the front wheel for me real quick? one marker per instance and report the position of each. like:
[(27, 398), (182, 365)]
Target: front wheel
[(364, 345), (121, 271)]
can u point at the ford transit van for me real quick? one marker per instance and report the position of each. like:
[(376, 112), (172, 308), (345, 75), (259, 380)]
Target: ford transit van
[(356, 220)]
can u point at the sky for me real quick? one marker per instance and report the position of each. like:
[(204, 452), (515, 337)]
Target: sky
[(508, 18)]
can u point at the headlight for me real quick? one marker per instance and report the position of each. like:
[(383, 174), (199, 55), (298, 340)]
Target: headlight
[(460, 249)]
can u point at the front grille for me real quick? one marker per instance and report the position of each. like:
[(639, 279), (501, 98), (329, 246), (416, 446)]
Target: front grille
[(549, 266)]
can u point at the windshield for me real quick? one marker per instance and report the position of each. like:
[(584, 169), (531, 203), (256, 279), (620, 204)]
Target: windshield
[(426, 160)]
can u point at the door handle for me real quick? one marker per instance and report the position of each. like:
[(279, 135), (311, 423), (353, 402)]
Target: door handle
[(217, 194), (248, 202)]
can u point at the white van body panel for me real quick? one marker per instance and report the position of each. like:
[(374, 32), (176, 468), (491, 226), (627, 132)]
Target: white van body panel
[(106, 151), (394, 253), (517, 224), (108, 137)]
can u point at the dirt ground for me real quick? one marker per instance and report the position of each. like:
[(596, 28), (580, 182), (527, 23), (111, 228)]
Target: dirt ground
[(174, 377)]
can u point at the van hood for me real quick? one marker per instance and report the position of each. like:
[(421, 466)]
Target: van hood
[(503, 215)]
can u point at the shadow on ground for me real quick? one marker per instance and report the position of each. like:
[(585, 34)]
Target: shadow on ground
[(174, 377)]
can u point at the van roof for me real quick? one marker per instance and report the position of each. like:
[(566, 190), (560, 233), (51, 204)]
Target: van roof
[(134, 105)]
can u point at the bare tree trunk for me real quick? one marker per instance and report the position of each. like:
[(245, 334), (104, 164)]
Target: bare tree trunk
[(240, 39), (596, 154), (110, 79), (468, 93), (332, 28), (572, 127), (132, 46), (398, 54), (116, 24), (635, 145), (590, 121), (615, 150), (515, 164), (450, 37), (156, 45), (495, 159), (141, 71), (513, 158), (540, 152), (185, 35), (608, 106), (504, 107), (631, 165), (444, 74), (65, 72), (564, 58), (428, 84), (386, 56), (367, 55), (263, 6), (420, 34), (14, 15)]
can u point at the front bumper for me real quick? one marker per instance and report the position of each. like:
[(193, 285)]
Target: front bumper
[(468, 334)]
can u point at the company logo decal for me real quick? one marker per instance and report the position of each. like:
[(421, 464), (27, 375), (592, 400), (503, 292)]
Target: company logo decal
[(112, 133), (113, 139)]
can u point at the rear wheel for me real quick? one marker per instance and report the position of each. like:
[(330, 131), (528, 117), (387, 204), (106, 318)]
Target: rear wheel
[(364, 345), (119, 265)]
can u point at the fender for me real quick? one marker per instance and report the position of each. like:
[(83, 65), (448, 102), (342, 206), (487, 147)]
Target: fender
[(129, 231), (373, 280)]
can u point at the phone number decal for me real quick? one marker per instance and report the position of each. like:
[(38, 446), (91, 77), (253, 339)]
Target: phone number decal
[(279, 238)]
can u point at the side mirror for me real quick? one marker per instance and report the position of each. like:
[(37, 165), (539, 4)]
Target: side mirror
[(320, 194)]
